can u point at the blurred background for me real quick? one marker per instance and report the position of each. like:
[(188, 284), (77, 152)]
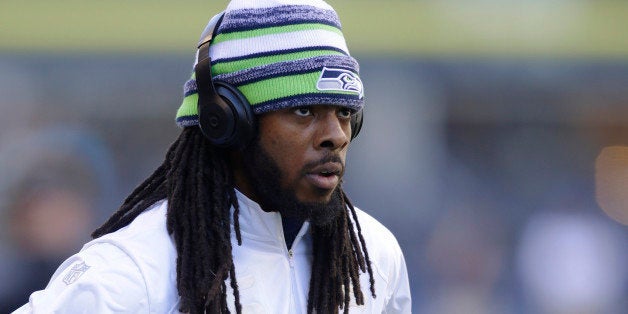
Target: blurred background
[(487, 125)]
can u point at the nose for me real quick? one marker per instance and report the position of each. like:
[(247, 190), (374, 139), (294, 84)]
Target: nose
[(333, 132)]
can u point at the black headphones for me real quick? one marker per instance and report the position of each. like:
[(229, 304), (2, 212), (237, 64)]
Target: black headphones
[(225, 116)]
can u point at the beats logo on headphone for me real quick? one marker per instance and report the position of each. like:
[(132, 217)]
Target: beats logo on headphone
[(225, 116)]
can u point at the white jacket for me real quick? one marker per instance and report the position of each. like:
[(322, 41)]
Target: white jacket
[(133, 270)]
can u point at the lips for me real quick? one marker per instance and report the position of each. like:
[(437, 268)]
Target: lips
[(325, 176)]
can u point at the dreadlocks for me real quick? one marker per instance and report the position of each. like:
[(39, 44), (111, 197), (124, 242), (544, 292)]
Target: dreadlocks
[(196, 180)]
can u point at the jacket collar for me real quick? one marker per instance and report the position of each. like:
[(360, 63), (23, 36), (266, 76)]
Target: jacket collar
[(257, 224)]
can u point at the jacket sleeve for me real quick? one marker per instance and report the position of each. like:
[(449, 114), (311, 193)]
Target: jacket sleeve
[(399, 289), (100, 279)]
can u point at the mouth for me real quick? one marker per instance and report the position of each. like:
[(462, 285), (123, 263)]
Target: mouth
[(325, 176)]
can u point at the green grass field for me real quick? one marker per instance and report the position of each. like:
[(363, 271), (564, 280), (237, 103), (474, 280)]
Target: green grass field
[(426, 28)]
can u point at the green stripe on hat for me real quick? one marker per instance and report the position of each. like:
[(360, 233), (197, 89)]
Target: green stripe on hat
[(274, 30), (284, 86), (188, 106), (234, 66)]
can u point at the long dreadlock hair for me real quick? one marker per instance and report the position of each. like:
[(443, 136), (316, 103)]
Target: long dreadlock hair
[(196, 180)]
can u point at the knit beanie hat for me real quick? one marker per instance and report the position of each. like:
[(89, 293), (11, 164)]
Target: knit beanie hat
[(280, 54)]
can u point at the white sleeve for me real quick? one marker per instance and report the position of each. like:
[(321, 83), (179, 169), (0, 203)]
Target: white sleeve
[(400, 300), (100, 279)]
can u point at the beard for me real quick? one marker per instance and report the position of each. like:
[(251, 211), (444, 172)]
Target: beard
[(265, 176)]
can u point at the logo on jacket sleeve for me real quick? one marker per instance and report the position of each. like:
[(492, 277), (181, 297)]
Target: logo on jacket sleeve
[(340, 80), (75, 272)]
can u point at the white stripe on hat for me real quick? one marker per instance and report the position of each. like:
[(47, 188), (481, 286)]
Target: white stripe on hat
[(276, 42), (256, 4)]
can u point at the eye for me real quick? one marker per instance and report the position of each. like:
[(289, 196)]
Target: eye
[(344, 113), (303, 111)]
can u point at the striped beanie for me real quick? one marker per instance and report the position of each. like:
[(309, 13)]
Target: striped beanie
[(280, 54)]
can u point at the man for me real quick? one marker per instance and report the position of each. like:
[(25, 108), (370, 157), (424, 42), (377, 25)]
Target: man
[(247, 213)]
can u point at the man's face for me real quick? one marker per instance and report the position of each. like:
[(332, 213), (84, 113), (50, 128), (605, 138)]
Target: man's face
[(299, 156)]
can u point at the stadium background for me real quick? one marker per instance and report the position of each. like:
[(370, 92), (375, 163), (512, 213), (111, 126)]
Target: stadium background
[(483, 123)]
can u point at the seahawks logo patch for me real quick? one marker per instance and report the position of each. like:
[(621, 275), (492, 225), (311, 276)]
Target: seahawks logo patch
[(340, 80)]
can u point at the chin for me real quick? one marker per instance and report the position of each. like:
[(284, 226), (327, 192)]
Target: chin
[(318, 196)]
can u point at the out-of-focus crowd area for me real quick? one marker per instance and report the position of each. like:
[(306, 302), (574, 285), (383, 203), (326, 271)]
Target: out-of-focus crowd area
[(504, 178)]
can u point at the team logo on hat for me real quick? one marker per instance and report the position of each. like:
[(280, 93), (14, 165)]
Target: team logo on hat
[(340, 80)]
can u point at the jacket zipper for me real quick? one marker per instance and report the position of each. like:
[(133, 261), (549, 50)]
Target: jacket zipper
[(291, 258), (293, 289)]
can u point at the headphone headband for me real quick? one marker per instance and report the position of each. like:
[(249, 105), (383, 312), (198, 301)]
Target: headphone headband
[(224, 115), (210, 30)]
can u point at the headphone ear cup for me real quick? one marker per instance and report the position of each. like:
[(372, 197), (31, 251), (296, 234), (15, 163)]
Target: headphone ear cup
[(215, 119), (356, 123), (227, 119)]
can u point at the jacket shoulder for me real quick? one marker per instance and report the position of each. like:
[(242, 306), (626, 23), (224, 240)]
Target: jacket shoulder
[(102, 278), (383, 242), (388, 264), (131, 270), (150, 248)]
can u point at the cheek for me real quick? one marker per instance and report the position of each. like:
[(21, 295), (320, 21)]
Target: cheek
[(287, 155), (287, 144)]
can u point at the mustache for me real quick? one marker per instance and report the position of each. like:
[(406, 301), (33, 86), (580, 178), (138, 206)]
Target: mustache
[(328, 158)]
